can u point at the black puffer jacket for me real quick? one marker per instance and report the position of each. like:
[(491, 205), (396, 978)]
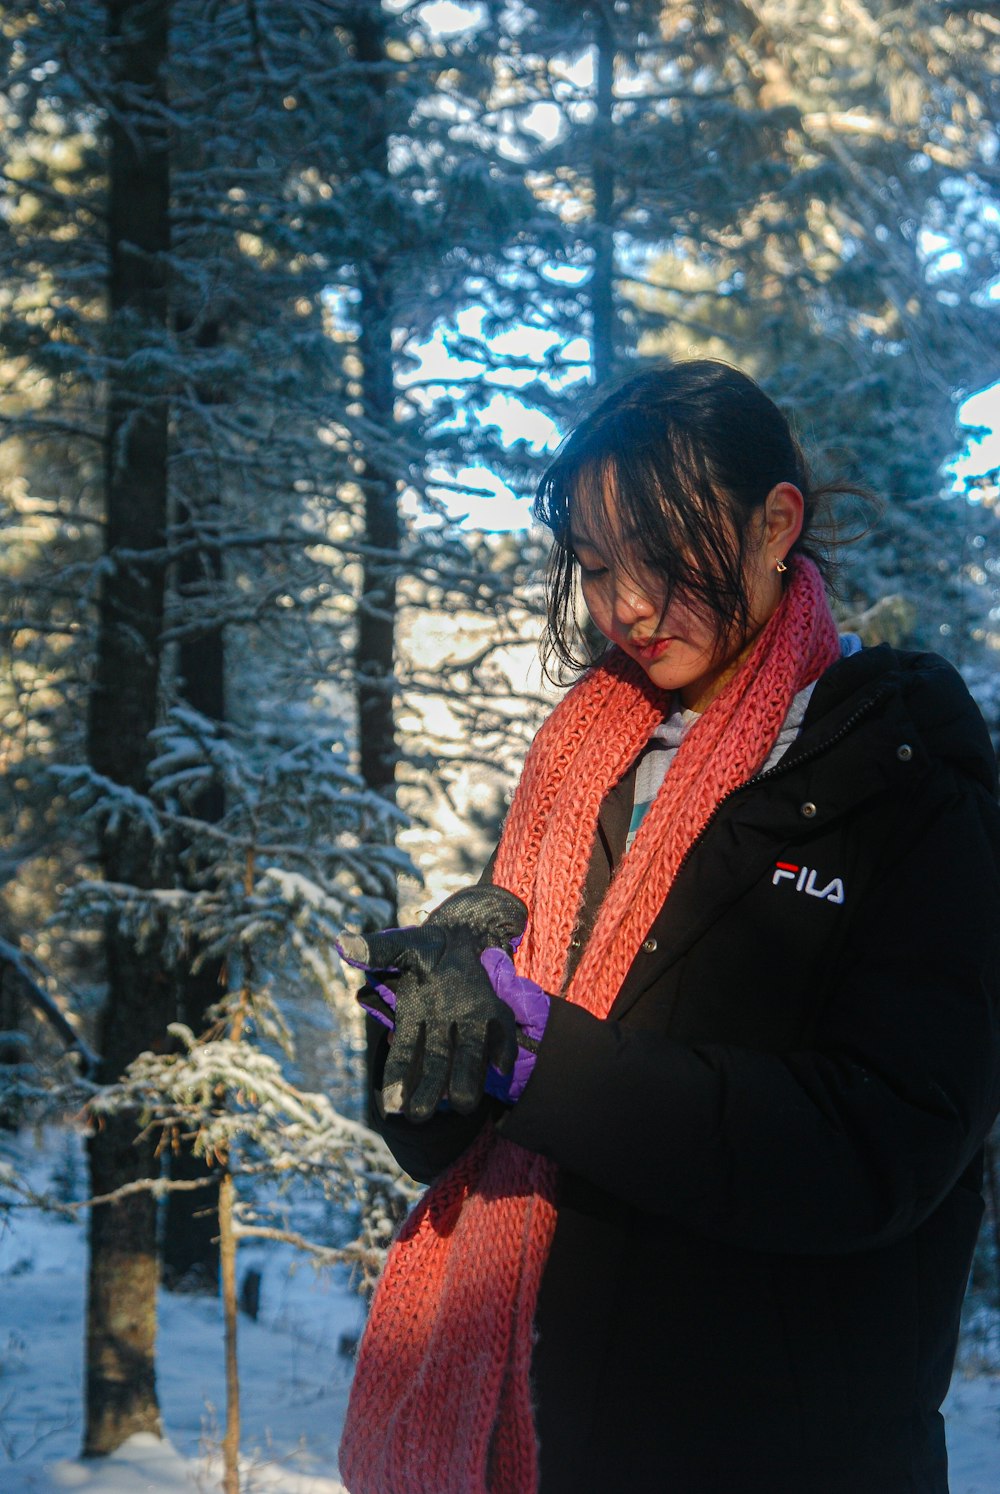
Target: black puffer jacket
[(770, 1153)]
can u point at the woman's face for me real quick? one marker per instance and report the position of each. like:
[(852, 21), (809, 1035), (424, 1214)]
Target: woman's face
[(681, 649)]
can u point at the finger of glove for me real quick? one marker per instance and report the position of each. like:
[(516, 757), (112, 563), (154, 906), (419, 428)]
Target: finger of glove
[(468, 1074), (501, 1042), (486, 914), (417, 949), (432, 1085), (357, 951), (403, 1067)]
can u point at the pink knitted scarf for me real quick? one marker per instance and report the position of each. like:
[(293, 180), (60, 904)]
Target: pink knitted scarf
[(441, 1401)]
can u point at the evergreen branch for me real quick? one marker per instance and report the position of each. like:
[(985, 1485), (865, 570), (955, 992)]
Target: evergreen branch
[(158, 1187), (23, 964), (47, 425), (370, 1257)]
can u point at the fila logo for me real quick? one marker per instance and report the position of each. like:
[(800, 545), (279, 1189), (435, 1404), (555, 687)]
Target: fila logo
[(805, 881)]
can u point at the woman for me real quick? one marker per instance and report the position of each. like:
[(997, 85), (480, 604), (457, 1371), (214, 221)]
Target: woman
[(709, 1228)]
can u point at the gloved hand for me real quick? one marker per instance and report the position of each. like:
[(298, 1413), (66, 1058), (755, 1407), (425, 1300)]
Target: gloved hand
[(449, 1025), (530, 1007)]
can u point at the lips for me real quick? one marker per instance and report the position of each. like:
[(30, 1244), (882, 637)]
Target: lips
[(653, 649)]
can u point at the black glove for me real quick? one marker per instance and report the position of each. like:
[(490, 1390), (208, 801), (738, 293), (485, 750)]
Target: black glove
[(449, 1024)]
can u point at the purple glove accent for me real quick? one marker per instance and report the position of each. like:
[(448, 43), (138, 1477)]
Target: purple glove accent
[(530, 1005), (387, 1018)]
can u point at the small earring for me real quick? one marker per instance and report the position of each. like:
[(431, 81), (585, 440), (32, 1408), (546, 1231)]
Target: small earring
[(780, 567)]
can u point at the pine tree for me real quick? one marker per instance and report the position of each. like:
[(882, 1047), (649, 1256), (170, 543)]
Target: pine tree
[(435, 217), (236, 407), (121, 1298), (227, 526), (767, 182), (829, 290)]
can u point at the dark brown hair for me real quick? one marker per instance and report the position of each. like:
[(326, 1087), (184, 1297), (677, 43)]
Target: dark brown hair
[(691, 450)]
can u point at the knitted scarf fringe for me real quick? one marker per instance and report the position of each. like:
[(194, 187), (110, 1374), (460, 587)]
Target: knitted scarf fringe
[(441, 1400)]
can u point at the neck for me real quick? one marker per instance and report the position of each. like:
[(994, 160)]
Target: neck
[(700, 696)]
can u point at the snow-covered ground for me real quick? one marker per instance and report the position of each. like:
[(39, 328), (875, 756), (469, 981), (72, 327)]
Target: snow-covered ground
[(294, 1378)]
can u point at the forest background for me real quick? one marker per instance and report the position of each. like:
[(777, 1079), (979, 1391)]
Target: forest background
[(285, 290)]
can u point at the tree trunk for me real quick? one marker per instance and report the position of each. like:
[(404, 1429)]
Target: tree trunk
[(190, 1247), (377, 613), (227, 1238), (602, 293), (992, 1221), (121, 1310), (13, 1037)]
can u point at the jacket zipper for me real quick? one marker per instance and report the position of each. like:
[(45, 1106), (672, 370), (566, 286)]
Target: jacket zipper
[(784, 766)]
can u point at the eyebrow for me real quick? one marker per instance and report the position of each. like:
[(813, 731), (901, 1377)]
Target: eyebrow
[(631, 540)]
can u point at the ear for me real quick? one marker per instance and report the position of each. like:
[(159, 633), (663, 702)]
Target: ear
[(784, 509)]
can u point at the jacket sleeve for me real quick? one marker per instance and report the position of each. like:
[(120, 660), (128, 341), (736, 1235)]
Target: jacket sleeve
[(843, 1146)]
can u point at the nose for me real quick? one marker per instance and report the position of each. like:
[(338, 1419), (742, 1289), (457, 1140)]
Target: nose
[(631, 604)]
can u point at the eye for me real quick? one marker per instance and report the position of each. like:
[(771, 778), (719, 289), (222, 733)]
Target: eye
[(589, 572)]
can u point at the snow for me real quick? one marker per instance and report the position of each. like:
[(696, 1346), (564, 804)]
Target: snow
[(148, 1465), (972, 1411), (294, 1377)]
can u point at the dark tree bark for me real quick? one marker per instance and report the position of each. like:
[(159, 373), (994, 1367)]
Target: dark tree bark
[(376, 639), (604, 332), (190, 1247), (377, 612), (13, 1036), (992, 1220), (121, 1312)]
